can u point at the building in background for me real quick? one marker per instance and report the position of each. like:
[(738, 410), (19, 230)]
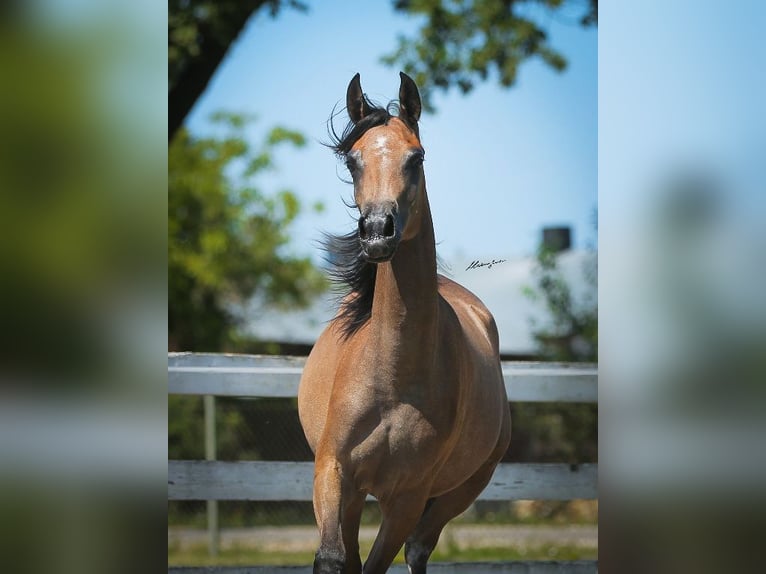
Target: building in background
[(498, 282)]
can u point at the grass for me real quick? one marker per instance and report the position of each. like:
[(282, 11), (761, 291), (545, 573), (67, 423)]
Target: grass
[(198, 556), (236, 556), (526, 513)]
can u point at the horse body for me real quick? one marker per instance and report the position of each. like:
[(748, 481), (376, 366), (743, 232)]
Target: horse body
[(409, 405), (392, 422)]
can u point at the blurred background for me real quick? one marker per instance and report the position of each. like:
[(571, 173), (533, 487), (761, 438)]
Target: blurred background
[(83, 186), (682, 303)]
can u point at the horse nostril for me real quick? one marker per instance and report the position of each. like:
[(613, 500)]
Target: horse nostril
[(388, 230), (375, 226)]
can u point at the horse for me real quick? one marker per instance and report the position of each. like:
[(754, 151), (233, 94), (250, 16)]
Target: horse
[(402, 396)]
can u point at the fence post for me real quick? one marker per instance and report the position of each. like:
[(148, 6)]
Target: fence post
[(210, 454)]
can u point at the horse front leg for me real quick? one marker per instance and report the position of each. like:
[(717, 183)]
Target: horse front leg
[(440, 511), (338, 509), (400, 516)]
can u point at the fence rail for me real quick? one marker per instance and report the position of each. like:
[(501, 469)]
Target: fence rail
[(257, 376), (217, 480), (267, 376)]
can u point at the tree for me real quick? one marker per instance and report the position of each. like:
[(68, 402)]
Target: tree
[(461, 42), (227, 239), (571, 333), (555, 432), (464, 41), (199, 35)]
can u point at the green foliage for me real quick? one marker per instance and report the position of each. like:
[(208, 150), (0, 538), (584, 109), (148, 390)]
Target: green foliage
[(228, 241), (199, 35), (464, 41), (197, 25), (560, 432), (257, 429), (572, 332), (186, 439), (554, 432)]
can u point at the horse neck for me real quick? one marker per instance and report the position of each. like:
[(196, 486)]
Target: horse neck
[(405, 304)]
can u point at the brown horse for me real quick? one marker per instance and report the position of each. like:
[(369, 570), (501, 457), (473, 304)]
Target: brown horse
[(402, 396)]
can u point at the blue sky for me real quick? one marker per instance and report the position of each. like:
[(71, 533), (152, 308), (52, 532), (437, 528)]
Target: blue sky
[(500, 164)]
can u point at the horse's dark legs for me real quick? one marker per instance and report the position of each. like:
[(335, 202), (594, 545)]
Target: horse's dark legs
[(352, 515), (439, 512), (338, 509), (400, 515), (442, 509)]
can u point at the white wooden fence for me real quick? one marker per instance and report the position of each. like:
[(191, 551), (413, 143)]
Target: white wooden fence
[(277, 376)]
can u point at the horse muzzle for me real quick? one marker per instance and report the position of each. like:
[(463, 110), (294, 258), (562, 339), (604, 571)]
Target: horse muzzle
[(379, 235)]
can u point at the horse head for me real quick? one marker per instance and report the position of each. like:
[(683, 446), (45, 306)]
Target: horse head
[(385, 160)]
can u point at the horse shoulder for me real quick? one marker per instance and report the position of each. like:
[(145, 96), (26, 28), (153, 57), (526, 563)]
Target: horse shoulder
[(472, 313), (317, 382), (331, 407)]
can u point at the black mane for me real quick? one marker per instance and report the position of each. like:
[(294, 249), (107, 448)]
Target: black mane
[(348, 268), (355, 278)]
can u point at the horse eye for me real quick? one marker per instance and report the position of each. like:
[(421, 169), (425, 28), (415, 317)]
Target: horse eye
[(351, 166), (415, 161)]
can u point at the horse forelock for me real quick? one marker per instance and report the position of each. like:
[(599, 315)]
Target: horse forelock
[(377, 115), (342, 144)]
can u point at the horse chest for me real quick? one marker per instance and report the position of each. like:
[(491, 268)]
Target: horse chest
[(401, 443)]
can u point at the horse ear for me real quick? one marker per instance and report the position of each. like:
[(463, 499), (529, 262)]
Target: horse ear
[(409, 101), (356, 103)]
